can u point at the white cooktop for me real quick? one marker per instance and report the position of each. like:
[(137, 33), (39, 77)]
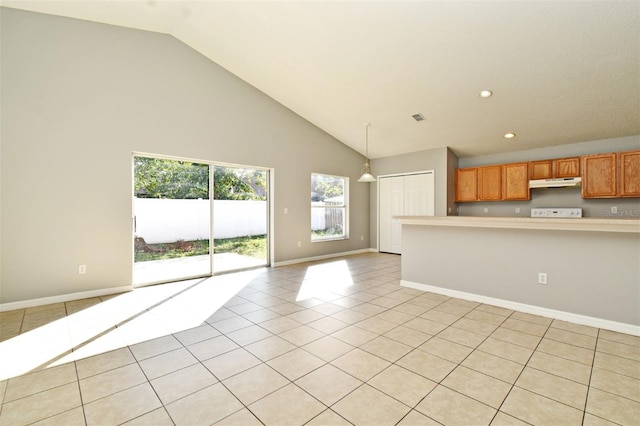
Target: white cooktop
[(558, 212)]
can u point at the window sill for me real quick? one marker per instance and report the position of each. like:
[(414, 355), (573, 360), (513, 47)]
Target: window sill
[(324, 240)]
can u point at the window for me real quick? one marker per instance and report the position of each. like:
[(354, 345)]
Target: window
[(329, 197)]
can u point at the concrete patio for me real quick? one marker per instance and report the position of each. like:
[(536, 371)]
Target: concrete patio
[(156, 271)]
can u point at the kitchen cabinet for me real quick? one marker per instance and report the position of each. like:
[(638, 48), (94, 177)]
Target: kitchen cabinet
[(566, 167), (542, 169), (515, 181), (466, 184), (609, 175), (629, 178), (490, 183), (558, 168), (599, 176), (404, 195)]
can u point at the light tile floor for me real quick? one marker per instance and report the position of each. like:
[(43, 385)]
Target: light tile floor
[(328, 343)]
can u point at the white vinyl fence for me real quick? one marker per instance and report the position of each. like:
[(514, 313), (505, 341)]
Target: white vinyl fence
[(165, 220), (326, 218)]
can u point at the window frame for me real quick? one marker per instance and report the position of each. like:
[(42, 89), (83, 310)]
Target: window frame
[(344, 207)]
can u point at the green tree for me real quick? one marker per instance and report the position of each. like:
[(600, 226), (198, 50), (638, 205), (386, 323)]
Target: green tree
[(232, 184), (161, 178), (325, 186)]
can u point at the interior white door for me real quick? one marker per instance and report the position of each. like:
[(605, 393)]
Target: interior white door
[(419, 195), (392, 202), (385, 214), (408, 195), (397, 209)]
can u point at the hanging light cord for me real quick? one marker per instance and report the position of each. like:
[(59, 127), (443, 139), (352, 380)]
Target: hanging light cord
[(366, 169), (366, 149)]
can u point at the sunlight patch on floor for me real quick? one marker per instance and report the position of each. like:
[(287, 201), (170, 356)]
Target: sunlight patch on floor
[(143, 314), (325, 278)]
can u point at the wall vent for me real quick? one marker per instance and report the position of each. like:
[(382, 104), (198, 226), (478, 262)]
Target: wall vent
[(418, 117)]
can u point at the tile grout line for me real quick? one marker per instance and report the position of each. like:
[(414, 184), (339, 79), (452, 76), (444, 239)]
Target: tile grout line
[(460, 364), (286, 292), (513, 385)]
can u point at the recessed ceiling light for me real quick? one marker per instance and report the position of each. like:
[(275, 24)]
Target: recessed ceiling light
[(486, 94), (418, 117), (509, 135)]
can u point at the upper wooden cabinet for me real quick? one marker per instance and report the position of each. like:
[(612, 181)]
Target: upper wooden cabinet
[(466, 184), (599, 176), (611, 175), (490, 183), (558, 168), (515, 181), (629, 176), (566, 167), (542, 169)]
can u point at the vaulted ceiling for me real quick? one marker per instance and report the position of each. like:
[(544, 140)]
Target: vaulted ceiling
[(560, 71)]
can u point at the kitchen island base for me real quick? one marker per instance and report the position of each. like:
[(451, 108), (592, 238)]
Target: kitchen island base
[(593, 277)]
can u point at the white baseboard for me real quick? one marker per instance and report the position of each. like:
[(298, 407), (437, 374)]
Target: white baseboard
[(529, 309), (324, 256), (62, 298)]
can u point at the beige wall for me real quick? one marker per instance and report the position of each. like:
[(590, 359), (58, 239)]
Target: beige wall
[(79, 97)]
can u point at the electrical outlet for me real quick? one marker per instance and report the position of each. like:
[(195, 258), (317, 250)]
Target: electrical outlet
[(542, 277), (614, 209), (517, 209), (361, 237), (286, 210), (486, 209), (82, 269), (299, 243)]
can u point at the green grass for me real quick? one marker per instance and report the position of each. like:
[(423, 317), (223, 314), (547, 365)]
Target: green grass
[(254, 246), (180, 248)]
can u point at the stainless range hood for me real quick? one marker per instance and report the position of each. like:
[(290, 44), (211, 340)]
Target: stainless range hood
[(555, 183)]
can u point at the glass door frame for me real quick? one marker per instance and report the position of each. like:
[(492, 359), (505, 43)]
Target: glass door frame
[(270, 247), (268, 219)]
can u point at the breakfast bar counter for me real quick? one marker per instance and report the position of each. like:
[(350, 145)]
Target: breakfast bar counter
[(580, 270), (561, 224)]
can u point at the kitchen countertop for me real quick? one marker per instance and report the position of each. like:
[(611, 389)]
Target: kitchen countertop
[(560, 224)]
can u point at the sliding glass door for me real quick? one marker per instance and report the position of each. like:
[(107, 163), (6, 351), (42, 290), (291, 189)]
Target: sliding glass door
[(186, 212), (240, 218), (172, 220)]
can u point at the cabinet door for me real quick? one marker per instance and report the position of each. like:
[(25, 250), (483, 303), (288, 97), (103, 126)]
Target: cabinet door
[(515, 182), (490, 183), (599, 176), (566, 167), (466, 184), (541, 169), (629, 163)]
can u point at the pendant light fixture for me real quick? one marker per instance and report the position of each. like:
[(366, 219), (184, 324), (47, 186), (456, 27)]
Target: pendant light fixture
[(366, 169)]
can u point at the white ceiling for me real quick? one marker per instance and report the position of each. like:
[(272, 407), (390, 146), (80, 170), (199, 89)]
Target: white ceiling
[(561, 71)]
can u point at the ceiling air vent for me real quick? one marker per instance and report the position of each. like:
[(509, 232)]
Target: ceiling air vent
[(418, 117)]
